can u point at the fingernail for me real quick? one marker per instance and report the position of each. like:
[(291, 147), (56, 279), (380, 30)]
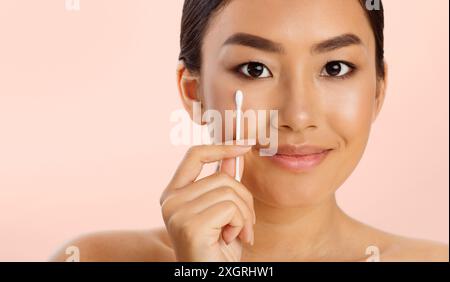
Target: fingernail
[(253, 238), (240, 142), (246, 142), (243, 147), (249, 236)]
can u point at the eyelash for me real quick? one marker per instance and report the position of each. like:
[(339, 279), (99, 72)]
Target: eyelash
[(351, 66), (242, 75)]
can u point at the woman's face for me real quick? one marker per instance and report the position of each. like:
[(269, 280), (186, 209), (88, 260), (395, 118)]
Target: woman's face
[(316, 66)]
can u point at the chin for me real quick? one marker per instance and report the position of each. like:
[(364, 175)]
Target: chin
[(284, 190)]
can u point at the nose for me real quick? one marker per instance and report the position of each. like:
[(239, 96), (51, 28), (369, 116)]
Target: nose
[(299, 105)]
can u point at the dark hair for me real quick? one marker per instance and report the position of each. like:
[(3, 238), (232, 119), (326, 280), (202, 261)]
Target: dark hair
[(197, 15)]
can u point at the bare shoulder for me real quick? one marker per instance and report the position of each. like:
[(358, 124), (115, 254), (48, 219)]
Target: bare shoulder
[(411, 249), (399, 248), (136, 245), (392, 247)]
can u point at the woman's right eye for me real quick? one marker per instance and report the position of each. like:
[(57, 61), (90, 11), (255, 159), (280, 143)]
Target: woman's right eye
[(255, 70)]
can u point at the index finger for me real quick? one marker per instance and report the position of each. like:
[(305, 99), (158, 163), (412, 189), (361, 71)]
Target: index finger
[(191, 166)]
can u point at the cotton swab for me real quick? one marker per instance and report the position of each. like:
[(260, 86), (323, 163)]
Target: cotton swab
[(239, 97)]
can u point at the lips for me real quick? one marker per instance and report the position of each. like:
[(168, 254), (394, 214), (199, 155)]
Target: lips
[(300, 158)]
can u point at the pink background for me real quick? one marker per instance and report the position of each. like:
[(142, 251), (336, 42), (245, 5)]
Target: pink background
[(85, 100)]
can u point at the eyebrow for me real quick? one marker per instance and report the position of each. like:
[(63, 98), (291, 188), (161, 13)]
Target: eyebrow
[(264, 44), (336, 43), (254, 41)]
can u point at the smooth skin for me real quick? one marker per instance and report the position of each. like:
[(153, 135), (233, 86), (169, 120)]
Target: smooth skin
[(297, 217)]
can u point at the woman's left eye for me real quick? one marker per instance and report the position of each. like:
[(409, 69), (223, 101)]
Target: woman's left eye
[(337, 69)]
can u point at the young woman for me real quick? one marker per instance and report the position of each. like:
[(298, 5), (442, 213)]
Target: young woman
[(320, 64)]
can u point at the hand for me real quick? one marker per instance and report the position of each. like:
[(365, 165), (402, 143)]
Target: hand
[(208, 219)]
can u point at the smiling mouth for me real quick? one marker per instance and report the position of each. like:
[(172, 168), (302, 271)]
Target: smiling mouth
[(300, 160)]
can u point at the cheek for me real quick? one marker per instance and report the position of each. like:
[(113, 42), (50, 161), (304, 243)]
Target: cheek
[(349, 114), (218, 93), (218, 97), (349, 111)]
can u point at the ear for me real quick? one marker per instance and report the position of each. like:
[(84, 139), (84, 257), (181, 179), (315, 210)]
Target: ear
[(189, 90), (381, 93)]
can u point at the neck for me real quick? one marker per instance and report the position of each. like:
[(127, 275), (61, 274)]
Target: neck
[(295, 232)]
